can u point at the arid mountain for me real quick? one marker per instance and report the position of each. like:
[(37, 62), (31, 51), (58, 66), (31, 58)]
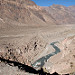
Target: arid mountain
[(62, 14), (26, 11), (30, 35), (71, 8), (15, 10)]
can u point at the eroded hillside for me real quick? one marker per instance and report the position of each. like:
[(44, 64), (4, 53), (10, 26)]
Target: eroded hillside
[(26, 11), (63, 62)]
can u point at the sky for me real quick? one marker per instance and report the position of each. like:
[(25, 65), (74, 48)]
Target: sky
[(51, 2)]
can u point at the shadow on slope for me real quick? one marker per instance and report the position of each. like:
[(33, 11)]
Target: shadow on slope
[(26, 68)]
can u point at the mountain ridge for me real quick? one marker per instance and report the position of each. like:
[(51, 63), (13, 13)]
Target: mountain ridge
[(26, 11)]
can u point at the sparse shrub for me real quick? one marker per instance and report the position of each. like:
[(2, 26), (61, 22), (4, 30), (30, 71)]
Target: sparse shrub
[(74, 56), (71, 64)]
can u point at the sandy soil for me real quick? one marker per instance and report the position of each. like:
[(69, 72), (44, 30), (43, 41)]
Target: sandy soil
[(22, 35)]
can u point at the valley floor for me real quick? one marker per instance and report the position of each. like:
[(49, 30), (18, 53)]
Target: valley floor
[(21, 35)]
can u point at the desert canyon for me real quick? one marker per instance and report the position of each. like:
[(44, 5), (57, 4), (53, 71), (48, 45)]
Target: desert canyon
[(36, 37)]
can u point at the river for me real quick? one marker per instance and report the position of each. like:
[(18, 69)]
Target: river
[(40, 62)]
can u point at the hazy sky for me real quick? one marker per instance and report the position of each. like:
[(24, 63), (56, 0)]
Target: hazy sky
[(50, 2)]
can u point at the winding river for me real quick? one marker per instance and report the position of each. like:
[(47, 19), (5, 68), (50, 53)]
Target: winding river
[(40, 62)]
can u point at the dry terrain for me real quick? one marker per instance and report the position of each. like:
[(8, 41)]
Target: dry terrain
[(29, 32), (27, 44)]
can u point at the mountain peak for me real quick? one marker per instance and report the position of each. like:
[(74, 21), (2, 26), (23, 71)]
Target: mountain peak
[(57, 6), (27, 2)]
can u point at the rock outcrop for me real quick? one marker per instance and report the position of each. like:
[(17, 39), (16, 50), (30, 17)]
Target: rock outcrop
[(64, 62), (23, 53)]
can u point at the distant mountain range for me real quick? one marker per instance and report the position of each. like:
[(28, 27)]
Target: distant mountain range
[(62, 14), (26, 11)]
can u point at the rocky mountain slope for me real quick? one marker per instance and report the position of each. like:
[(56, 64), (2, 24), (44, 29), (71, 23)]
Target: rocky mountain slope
[(26, 11), (62, 14), (23, 53), (64, 59), (71, 8)]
